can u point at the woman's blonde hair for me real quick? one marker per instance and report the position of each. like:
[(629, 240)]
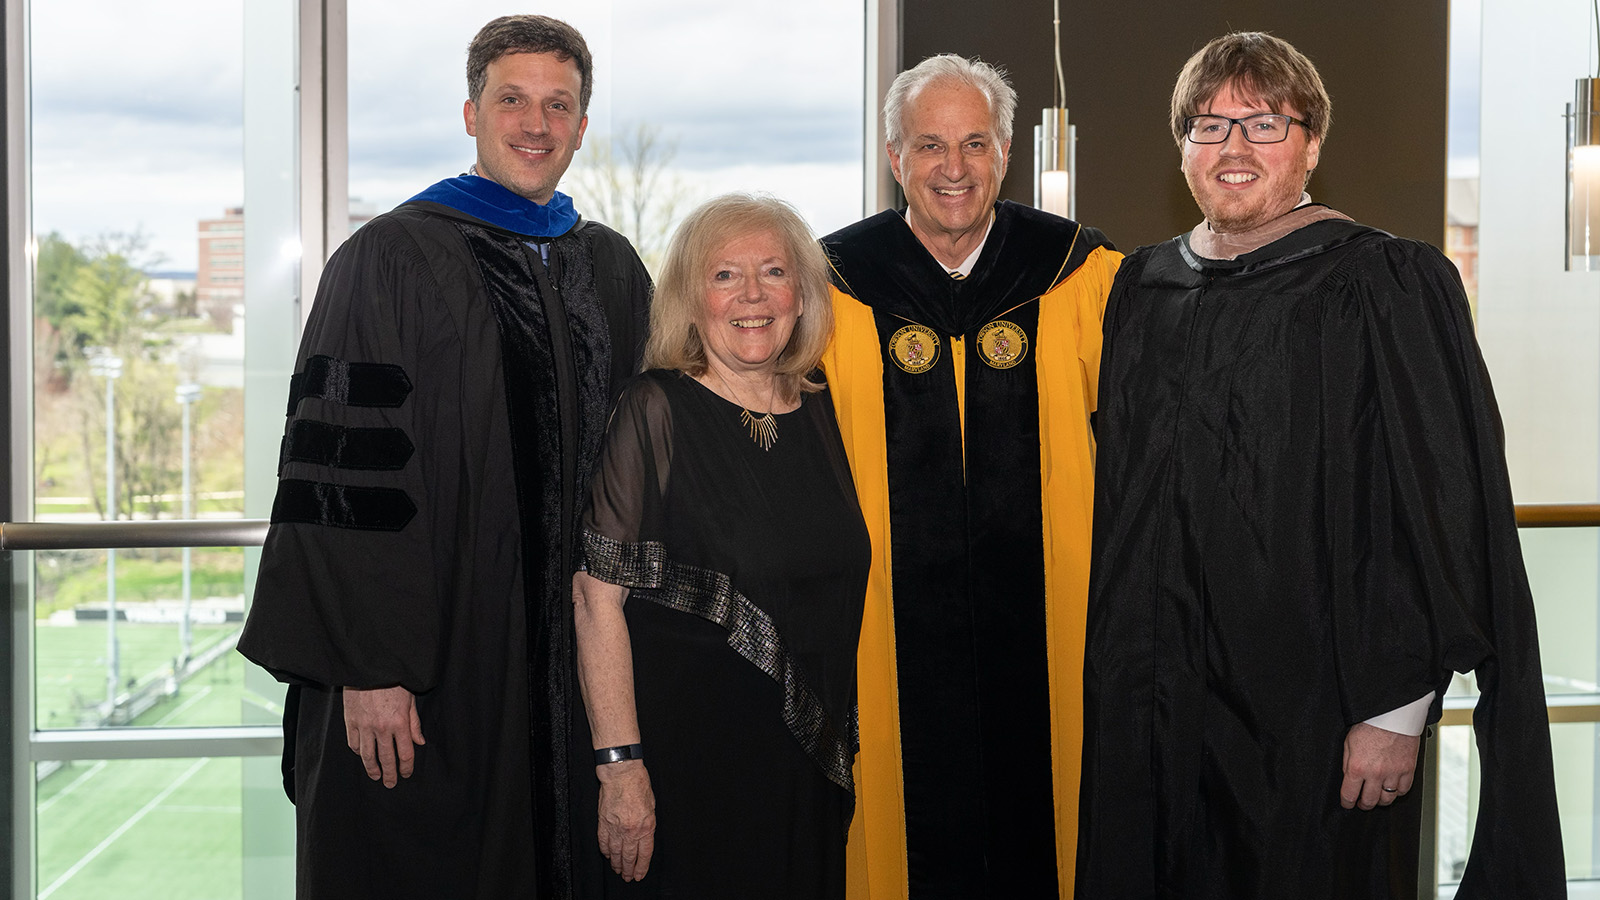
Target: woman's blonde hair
[(675, 341)]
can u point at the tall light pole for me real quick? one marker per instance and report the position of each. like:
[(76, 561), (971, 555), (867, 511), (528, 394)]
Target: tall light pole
[(188, 393), (104, 363)]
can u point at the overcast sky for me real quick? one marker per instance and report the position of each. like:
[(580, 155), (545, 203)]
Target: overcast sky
[(1466, 64), (138, 118), (136, 113)]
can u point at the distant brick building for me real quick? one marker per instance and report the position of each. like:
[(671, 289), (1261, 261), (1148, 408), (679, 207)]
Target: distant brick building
[(219, 282), (1461, 233)]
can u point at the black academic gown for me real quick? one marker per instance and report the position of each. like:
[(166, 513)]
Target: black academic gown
[(1302, 520), (972, 457), (449, 403)]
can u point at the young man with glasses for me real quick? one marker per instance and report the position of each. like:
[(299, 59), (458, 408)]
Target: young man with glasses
[(1303, 525)]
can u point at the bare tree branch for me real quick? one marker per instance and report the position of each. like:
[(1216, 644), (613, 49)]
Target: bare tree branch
[(628, 182)]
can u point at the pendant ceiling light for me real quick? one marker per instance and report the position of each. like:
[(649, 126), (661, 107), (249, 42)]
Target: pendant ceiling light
[(1054, 145)]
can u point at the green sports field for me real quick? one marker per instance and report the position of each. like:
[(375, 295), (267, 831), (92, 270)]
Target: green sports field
[(138, 829), (71, 665)]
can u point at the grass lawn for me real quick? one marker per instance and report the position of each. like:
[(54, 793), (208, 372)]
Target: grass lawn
[(71, 578), (70, 662)]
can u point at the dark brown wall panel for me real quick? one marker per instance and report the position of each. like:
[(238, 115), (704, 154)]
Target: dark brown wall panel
[(1383, 62)]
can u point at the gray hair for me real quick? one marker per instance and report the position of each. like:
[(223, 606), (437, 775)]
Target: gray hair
[(948, 67)]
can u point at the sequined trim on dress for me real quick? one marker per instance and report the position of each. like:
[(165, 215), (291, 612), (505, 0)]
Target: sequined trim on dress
[(751, 633)]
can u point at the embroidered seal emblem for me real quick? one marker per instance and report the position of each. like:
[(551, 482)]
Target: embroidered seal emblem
[(914, 348), (1003, 344)]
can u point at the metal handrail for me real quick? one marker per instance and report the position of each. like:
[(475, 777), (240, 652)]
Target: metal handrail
[(1558, 515), (253, 532), (136, 534), (1564, 708), (157, 743)]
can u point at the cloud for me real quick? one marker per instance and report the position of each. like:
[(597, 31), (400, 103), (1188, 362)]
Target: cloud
[(161, 61), (138, 107), (827, 195), (778, 82), (137, 119), (712, 141)]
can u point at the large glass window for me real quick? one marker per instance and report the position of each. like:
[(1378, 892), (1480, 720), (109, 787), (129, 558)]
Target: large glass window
[(137, 233), (1513, 68), (161, 224), (690, 100), (137, 181)]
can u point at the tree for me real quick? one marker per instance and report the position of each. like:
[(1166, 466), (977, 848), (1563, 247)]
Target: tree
[(94, 298), (55, 266), (107, 302), (628, 182)]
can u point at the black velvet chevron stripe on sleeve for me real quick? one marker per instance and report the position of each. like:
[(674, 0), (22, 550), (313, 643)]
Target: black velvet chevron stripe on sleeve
[(342, 506), (344, 447), (348, 383)]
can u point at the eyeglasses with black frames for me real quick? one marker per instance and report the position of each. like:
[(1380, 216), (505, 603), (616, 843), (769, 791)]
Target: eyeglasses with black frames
[(1263, 128)]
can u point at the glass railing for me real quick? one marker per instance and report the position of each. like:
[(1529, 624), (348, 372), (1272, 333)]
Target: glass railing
[(1561, 543), (143, 767)]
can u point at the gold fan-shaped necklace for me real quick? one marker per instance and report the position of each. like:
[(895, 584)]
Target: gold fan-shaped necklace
[(763, 428)]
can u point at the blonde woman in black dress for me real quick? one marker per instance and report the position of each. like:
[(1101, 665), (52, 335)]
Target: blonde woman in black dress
[(726, 562)]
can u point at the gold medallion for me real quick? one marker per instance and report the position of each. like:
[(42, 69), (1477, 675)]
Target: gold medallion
[(1002, 343), (914, 348)]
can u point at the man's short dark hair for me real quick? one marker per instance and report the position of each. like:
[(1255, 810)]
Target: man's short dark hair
[(528, 34), (1259, 67)]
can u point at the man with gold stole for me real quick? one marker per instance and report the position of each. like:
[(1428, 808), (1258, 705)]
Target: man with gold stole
[(963, 370)]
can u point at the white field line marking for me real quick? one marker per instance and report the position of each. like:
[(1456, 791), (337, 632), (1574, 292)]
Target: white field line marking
[(184, 706), (202, 809), (92, 771), (122, 829), (98, 767)]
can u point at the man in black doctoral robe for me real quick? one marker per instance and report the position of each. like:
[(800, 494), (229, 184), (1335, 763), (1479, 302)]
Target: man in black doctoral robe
[(965, 349), (452, 390), (1303, 525)]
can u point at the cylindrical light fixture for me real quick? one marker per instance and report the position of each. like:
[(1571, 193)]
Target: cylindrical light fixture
[(1583, 177), (1053, 179), (1055, 165)]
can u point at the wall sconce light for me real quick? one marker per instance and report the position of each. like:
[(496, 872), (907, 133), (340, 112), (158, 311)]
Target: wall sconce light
[(1055, 163), (1583, 169), (1583, 177)]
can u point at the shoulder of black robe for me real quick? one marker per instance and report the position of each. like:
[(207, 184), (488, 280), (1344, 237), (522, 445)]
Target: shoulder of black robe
[(880, 262), (624, 287), (397, 296), (349, 485), (621, 282), (1401, 365)]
